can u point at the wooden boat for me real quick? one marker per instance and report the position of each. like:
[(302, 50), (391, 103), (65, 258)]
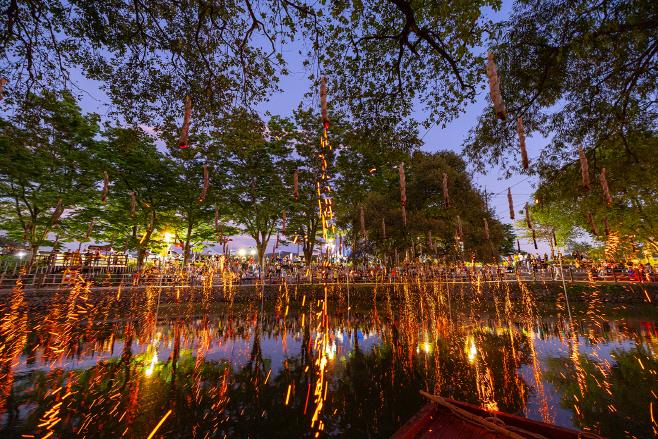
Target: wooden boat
[(448, 419)]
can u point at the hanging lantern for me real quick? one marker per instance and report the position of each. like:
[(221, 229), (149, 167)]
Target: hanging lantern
[(511, 205), (184, 135), (57, 213), (584, 168), (605, 224), (363, 224), (283, 228), (296, 184), (384, 227), (206, 183), (105, 187), (591, 223), (494, 88), (3, 81), (527, 215), (604, 184), (486, 228), (323, 104), (445, 190), (534, 239), (521, 132), (152, 218), (91, 225), (459, 226)]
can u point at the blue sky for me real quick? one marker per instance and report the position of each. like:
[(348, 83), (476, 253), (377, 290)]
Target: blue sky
[(436, 138)]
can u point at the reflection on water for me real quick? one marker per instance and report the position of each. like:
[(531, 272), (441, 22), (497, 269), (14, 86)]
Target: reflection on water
[(307, 368)]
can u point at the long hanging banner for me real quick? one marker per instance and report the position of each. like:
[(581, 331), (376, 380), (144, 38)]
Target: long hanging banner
[(206, 183), (604, 185), (403, 194), (521, 132), (106, 183), (494, 88), (184, 134), (584, 167)]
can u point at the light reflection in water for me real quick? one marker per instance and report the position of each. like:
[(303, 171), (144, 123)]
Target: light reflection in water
[(304, 369)]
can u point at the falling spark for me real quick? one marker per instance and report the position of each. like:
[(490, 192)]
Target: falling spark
[(159, 424)]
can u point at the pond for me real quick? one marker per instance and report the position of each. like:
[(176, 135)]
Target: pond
[(301, 367)]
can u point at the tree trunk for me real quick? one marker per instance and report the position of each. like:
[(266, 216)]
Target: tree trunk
[(186, 252)]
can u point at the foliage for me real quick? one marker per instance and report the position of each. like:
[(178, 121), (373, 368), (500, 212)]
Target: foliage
[(582, 73), (47, 151)]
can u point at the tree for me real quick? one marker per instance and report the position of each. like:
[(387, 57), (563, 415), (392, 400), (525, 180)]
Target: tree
[(580, 72), (260, 171), (48, 149), (194, 221), (134, 165), (426, 210)]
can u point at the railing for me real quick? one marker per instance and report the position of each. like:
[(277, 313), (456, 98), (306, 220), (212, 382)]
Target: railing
[(54, 277)]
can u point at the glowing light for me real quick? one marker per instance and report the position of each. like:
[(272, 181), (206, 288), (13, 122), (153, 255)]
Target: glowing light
[(242, 252)]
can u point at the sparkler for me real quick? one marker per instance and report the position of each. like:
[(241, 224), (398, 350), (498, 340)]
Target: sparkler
[(604, 185), (494, 88), (521, 133), (445, 190), (184, 135), (206, 182), (105, 186), (511, 204), (584, 168)]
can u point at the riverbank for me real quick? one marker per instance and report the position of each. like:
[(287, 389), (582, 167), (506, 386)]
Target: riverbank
[(41, 299)]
